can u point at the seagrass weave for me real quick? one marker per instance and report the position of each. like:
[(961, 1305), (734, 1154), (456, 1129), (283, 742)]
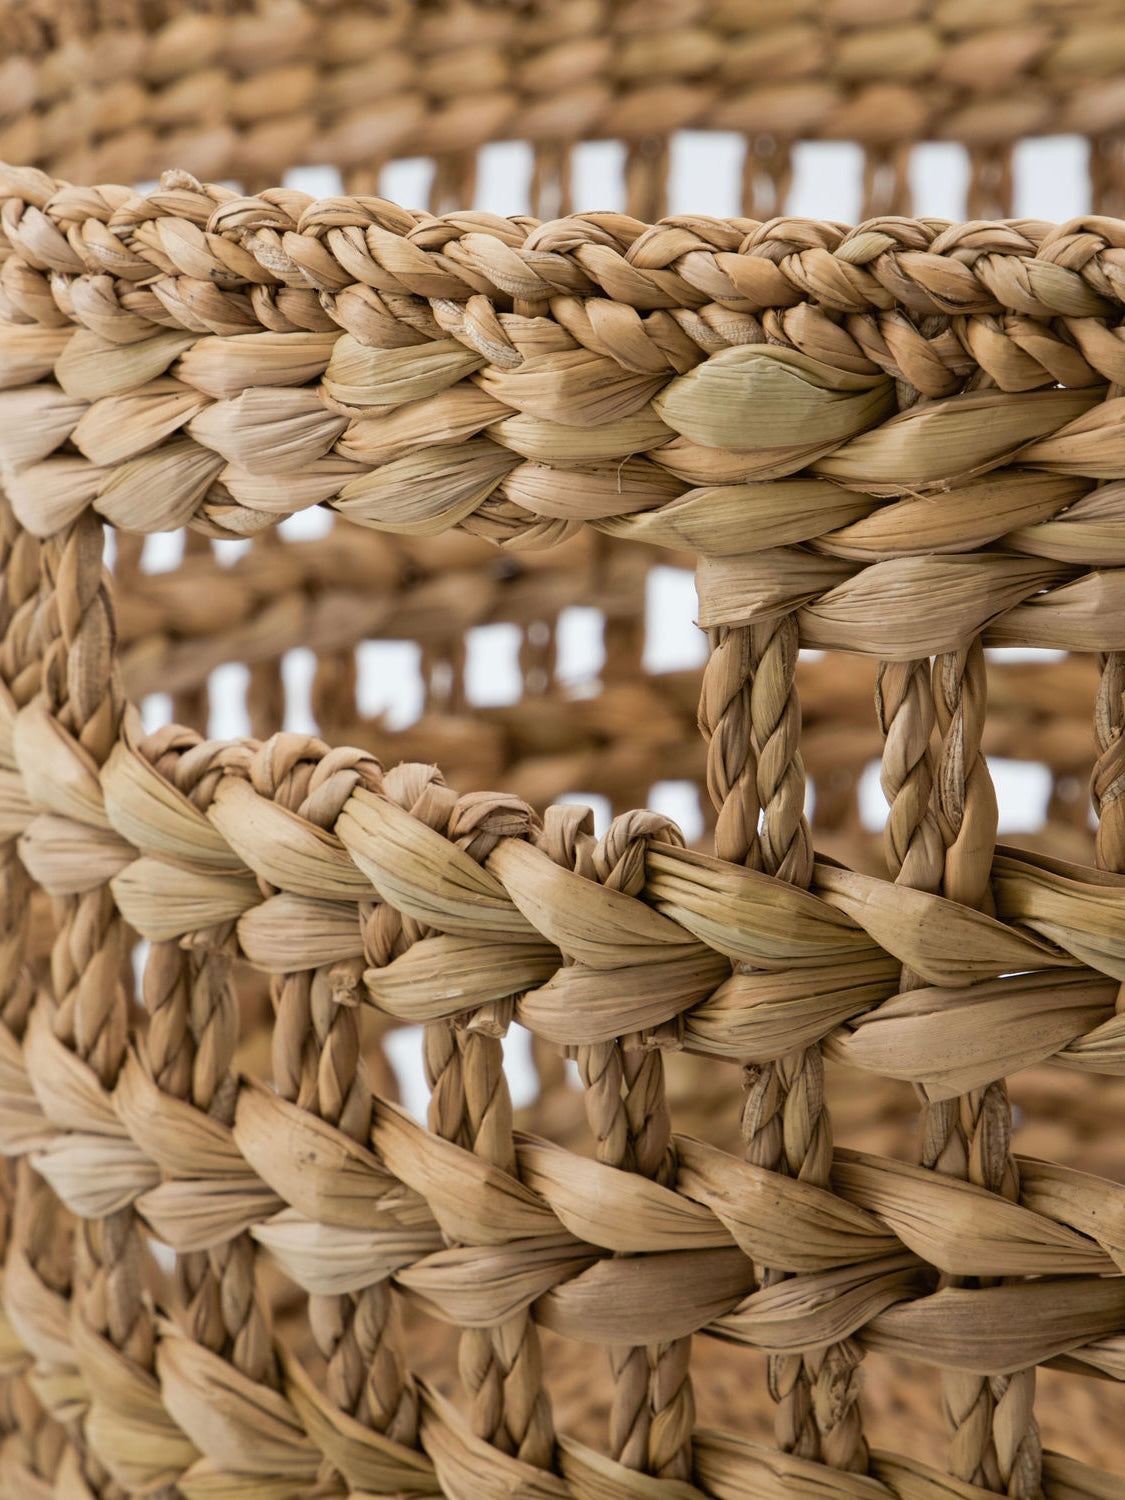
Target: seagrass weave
[(816, 1164)]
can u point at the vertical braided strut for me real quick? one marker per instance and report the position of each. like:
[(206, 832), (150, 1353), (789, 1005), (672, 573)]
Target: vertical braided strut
[(1107, 787), (751, 719), (41, 1242), (317, 1064), (653, 1409), (19, 586), (39, 1438), (941, 835), (82, 692), (501, 1367), (189, 1048), (31, 1441), (912, 842)]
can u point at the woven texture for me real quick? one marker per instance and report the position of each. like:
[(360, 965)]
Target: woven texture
[(774, 1225)]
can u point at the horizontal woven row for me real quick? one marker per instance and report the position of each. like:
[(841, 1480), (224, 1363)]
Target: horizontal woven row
[(183, 233), (680, 428), (504, 926), (505, 930), (119, 91)]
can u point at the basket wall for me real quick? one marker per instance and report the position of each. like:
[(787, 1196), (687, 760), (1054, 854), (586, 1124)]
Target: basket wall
[(774, 1223)]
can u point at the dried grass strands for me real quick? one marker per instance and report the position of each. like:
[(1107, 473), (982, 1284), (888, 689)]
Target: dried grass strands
[(1087, 614), (574, 387), (732, 1468), (190, 1046), (470, 1111), (960, 519), (265, 430), (751, 718), (559, 445), (194, 356), (760, 396), (443, 976), (652, 1410), (90, 368), (54, 494), (938, 443), (368, 1461), (354, 1325), (35, 1441), (34, 421), (467, 1467), (161, 902), (766, 1016), (963, 594), (762, 585), (224, 367), (81, 712), (178, 1097), (154, 815), (917, 926), (1001, 1330), (1089, 529), (114, 429), (947, 812), (725, 519), (352, 1317), (451, 416), (1075, 908), (652, 1299), (287, 931), (360, 379), (589, 493), (260, 498), (959, 1227), (38, 1284), (251, 1431), (429, 491), (760, 1209), (28, 352), (455, 894), (808, 1312), (323, 1174), (606, 1206), (594, 1475), (303, 858), (745, 914)]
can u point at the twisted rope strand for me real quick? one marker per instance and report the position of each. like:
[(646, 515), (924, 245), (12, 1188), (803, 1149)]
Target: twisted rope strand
[(82, 691), (995, 1439), (751, 717)]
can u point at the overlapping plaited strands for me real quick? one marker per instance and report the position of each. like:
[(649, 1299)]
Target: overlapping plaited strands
[(900, 441), (115, 90), (625, 1100), (945, 843), (751, 717), (572, 1216)]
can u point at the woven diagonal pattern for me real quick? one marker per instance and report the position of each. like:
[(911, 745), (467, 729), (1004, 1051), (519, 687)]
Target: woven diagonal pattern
[(773, 1225)]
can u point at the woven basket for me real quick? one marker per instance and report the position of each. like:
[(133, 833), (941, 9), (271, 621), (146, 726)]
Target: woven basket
[(773, 1227)]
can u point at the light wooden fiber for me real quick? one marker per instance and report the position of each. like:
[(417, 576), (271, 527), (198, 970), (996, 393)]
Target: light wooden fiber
[(819, 1193)]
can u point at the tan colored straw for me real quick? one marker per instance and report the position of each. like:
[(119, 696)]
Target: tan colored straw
[(819, 1172)]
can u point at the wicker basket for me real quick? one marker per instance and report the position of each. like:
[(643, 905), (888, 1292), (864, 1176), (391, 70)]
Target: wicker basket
[(772, 1108)]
